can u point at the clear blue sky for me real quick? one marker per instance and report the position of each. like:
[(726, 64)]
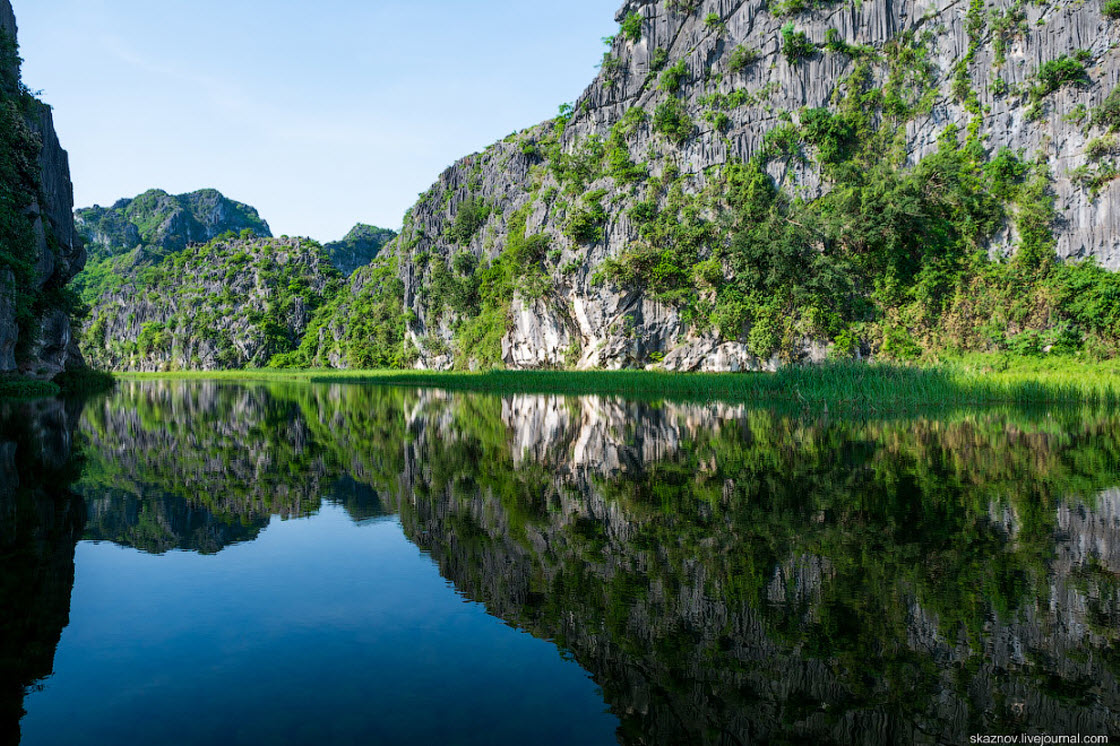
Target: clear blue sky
[(319, 114)]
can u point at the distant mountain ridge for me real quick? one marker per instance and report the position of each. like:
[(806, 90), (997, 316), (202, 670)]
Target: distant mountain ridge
[(164, 222), (150, 255)]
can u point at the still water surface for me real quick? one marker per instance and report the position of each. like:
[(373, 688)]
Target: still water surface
[(199, 563)]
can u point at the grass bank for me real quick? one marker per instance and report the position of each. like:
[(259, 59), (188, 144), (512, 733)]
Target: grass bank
[(70, 383), (979, 381)]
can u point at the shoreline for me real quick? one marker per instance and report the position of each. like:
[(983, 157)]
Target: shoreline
[(974, 381)]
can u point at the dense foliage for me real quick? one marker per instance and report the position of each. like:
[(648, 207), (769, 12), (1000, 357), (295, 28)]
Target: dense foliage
[(235, 302), (358, 248), (365, 324), (893, 258), (136, 233)]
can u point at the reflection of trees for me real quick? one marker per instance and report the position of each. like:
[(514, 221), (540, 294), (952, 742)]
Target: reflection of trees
[(157, 523), (727, 575), (242, 453), (40, 522), (199, 466), (757, 577)]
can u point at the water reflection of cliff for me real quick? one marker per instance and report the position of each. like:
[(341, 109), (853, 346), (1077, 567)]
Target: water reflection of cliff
[(728, 576), (738, 577), (40, 522), (199, 467)]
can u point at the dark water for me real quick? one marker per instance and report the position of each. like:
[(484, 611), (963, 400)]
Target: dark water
[(204, 564)]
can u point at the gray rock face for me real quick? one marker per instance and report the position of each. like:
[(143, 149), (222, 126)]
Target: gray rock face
[(9, 332), (587, 322), (220, 306), (7, 18), (57, 254)]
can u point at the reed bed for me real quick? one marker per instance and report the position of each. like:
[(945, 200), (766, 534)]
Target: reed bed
[(977, 381)]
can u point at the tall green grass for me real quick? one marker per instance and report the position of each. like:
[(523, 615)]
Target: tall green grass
[(68, 383), (18, 387), (849, 386)]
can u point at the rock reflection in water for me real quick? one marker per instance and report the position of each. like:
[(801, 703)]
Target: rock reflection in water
[(739, 577), (41, 519), (726, 575)]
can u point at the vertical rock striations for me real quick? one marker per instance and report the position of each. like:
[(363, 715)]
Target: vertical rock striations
[(602, 239), (39, 250), (222, 305)]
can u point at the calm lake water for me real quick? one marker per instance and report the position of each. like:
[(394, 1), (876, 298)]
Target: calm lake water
[(203, 563)]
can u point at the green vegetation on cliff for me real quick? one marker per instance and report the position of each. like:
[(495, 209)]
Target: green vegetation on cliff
[(889, 219), (360, 247), (232, 303), (26, 231), (19, 175), (136, 233), (710, 226)]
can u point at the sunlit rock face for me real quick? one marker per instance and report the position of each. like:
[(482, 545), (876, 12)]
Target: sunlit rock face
[(581, 320), (41, 519)]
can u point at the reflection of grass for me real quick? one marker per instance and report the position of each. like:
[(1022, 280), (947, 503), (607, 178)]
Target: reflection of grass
[(973, 381)]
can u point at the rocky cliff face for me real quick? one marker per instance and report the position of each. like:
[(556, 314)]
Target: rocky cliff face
[(39, 250), (641, 171), (224, 305), (136, 233), (360, 247)]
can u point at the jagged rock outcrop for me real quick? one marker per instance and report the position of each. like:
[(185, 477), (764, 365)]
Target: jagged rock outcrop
[(133, 234), (360, 247), (164, 223), (39, 249), (686, 90), (224, 305)]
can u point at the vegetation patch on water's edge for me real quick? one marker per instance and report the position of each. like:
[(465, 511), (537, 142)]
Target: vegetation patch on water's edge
[(979, 380), (68, 383)]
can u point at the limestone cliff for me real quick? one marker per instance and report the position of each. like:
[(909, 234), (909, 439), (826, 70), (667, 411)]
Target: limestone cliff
[(39, 250), (359, 247), (223, 305), (597, 207)]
